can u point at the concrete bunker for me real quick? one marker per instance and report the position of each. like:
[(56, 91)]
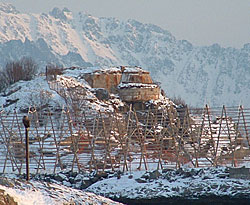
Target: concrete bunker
[(132, 84)]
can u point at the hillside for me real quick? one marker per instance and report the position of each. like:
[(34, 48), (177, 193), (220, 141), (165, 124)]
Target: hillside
[(209, 74), (15, 191)]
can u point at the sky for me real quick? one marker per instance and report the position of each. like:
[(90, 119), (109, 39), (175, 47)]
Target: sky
[(202, 22)]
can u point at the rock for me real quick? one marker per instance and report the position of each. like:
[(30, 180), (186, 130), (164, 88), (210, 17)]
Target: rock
[(60, 177), (146, 175), (55, 181), (194, 172), (187, 174), (223, 188), (169, 174), (177, 189), (102, 94), (155, 174), (85, 184), (78, 185), (47, 179), (207, 177), (223, 175), (169, 178), (139, 180), (200, 172), (68, 184), (6, 182), (102, 175), (73, 174), (166, 170), (78, 178), (214, 186), (179, 171), (51, 176), (72, 180), (94, 179)]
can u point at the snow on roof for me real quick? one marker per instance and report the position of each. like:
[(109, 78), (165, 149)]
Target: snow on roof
[(134, 70), (136, 85), (106, 69)]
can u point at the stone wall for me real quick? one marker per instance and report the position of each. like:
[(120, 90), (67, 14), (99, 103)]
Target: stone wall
[(108, 81), (139, 94)]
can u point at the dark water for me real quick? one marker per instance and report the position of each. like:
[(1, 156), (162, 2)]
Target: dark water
[(179, 201)]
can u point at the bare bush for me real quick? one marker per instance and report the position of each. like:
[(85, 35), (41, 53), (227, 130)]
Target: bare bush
[(14, 71), (52, 71), (3, 83), (29, 68), (179, 101)]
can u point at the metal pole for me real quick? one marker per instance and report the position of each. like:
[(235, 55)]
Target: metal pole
[(26, 123), (27, 154)]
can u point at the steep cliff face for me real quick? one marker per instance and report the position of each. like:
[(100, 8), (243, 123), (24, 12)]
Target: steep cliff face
[(210, 74)]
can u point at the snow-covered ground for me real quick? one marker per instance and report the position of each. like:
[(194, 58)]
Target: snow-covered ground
[(42, 193), (185, 183), (167, 184)]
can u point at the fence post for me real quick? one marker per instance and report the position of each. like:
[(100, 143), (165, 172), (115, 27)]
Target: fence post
[(26, 123)]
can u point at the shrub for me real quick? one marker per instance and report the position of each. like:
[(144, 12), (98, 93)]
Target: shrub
[(14, 71), (178, 101), (52, 71)]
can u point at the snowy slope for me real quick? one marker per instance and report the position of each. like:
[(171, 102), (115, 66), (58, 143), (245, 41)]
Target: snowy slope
[(221, 184), (39, 94), (42, 193), (209, 74)]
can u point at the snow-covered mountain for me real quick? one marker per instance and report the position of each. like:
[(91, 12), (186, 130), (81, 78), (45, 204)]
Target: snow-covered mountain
[(210, 74)]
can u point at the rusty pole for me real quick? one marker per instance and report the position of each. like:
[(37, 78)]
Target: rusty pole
[(26, 123)]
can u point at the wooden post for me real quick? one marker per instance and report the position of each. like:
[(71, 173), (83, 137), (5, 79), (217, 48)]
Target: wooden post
[(26, 123), (232, 148), (245, 125), (211, 135)]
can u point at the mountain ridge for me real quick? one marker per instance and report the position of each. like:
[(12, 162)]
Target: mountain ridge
[(200, 75)]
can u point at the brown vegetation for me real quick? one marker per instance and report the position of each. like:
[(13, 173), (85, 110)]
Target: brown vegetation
[(14, 71)]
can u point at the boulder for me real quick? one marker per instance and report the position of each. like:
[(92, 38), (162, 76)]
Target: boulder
[(140, 180), (102, 94), (155, 174), (60, 177)]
